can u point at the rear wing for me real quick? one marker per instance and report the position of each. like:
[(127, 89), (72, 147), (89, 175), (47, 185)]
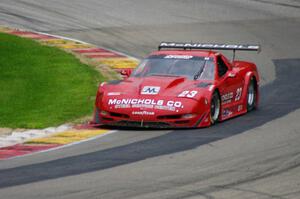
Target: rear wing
[(210, 46)]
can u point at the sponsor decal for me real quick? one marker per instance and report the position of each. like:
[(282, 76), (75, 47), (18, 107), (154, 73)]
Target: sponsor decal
[(150, 90), (209, 45), (168, 108), (189, 94), (135, 101), (145, 103), (122, 106), (178, 57), (142, 106), (142, 113), (176, 104), (226, 113), (226, 98)]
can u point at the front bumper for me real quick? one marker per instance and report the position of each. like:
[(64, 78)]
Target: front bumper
[(123, 120)]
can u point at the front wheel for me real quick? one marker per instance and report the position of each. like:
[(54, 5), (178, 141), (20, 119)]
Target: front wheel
[(215, 108), (251, 95)]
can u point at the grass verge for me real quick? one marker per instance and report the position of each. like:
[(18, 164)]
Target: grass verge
[(42, 86)]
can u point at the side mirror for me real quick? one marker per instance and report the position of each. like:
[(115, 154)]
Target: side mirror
[(126, 72)]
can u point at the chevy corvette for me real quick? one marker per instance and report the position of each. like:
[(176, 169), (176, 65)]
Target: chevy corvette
[(180, 85)]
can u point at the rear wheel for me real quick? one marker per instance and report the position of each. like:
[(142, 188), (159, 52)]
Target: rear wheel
[(251, 95), (215, 108)]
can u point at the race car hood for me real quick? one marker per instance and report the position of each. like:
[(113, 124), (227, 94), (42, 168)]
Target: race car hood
[(154, 86)]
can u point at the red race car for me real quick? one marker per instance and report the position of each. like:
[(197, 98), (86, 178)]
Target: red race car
[(180, 85)]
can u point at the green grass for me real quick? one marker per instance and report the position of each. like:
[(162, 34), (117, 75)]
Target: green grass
[(42, 86)]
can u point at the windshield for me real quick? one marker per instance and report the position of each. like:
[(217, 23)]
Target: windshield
[(189, 66)]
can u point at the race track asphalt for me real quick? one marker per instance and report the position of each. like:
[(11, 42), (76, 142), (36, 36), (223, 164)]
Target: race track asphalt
[(253, 156)]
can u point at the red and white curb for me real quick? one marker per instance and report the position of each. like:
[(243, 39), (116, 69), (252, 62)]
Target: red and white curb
[(17, 137)]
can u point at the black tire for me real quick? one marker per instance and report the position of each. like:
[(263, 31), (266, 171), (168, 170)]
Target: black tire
[(251, 95), (215, 108)]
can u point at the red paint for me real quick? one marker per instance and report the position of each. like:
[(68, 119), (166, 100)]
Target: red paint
[(17, 32), (31, 35), (4, 154), (22, 149)]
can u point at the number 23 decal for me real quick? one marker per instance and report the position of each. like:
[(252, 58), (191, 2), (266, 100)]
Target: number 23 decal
[(189, 94)]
